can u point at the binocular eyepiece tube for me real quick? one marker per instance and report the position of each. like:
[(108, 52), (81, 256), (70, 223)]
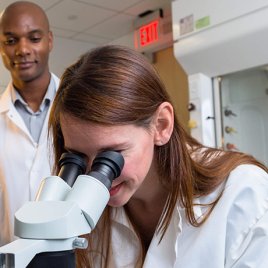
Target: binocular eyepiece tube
[(71, 166), (106, 167)]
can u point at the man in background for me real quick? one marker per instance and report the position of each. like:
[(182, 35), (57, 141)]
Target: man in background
[(25, 44)]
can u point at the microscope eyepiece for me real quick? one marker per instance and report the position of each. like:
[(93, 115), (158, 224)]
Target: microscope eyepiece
[(71, 166), (107, 166)]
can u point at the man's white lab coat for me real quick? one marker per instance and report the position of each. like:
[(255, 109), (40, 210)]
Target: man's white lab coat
[(23, 163)]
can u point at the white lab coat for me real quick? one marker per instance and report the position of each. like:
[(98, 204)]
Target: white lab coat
[(234, 236), (23, 163)]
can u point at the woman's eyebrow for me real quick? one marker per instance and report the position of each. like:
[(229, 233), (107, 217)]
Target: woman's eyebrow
[(73, 151), (114, 147)]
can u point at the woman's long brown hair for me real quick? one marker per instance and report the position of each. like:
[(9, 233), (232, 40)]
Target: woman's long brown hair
[(114, 85)]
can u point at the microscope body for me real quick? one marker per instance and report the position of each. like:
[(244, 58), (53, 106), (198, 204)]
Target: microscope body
[(60, 214)]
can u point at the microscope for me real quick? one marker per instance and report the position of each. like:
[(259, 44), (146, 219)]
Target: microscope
[(67, 206)]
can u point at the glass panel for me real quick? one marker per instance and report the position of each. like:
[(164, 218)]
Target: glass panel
[(244, 108)]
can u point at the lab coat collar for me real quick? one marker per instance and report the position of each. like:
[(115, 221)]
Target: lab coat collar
[(163, 253), (5, 99), (119, 216), (6, 106), (160, 253), (168, 245)]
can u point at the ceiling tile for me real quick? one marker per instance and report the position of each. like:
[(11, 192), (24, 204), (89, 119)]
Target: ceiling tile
[(117, 5), (97, 40), (76, 16), (45, 4), (62, 32), (114, 27), (93, 21)]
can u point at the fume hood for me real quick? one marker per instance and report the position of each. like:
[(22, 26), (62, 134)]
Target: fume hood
[(222, 46)]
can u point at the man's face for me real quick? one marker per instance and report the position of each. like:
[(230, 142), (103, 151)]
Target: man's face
[(25, 43)]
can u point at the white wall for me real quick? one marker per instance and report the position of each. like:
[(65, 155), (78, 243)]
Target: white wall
[(126, 40), (64, 53)]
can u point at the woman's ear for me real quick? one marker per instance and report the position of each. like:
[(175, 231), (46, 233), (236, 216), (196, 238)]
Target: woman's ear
[(163, 123)]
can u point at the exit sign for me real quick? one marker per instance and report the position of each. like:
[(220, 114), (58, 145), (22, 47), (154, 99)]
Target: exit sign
[(148, 33)]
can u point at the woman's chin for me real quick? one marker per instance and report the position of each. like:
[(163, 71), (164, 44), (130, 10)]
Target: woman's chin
[(115, 202)]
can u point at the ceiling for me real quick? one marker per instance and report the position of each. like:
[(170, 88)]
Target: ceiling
[(94, 21)]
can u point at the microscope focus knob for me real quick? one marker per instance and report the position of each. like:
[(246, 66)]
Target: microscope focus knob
[(80, 242)]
